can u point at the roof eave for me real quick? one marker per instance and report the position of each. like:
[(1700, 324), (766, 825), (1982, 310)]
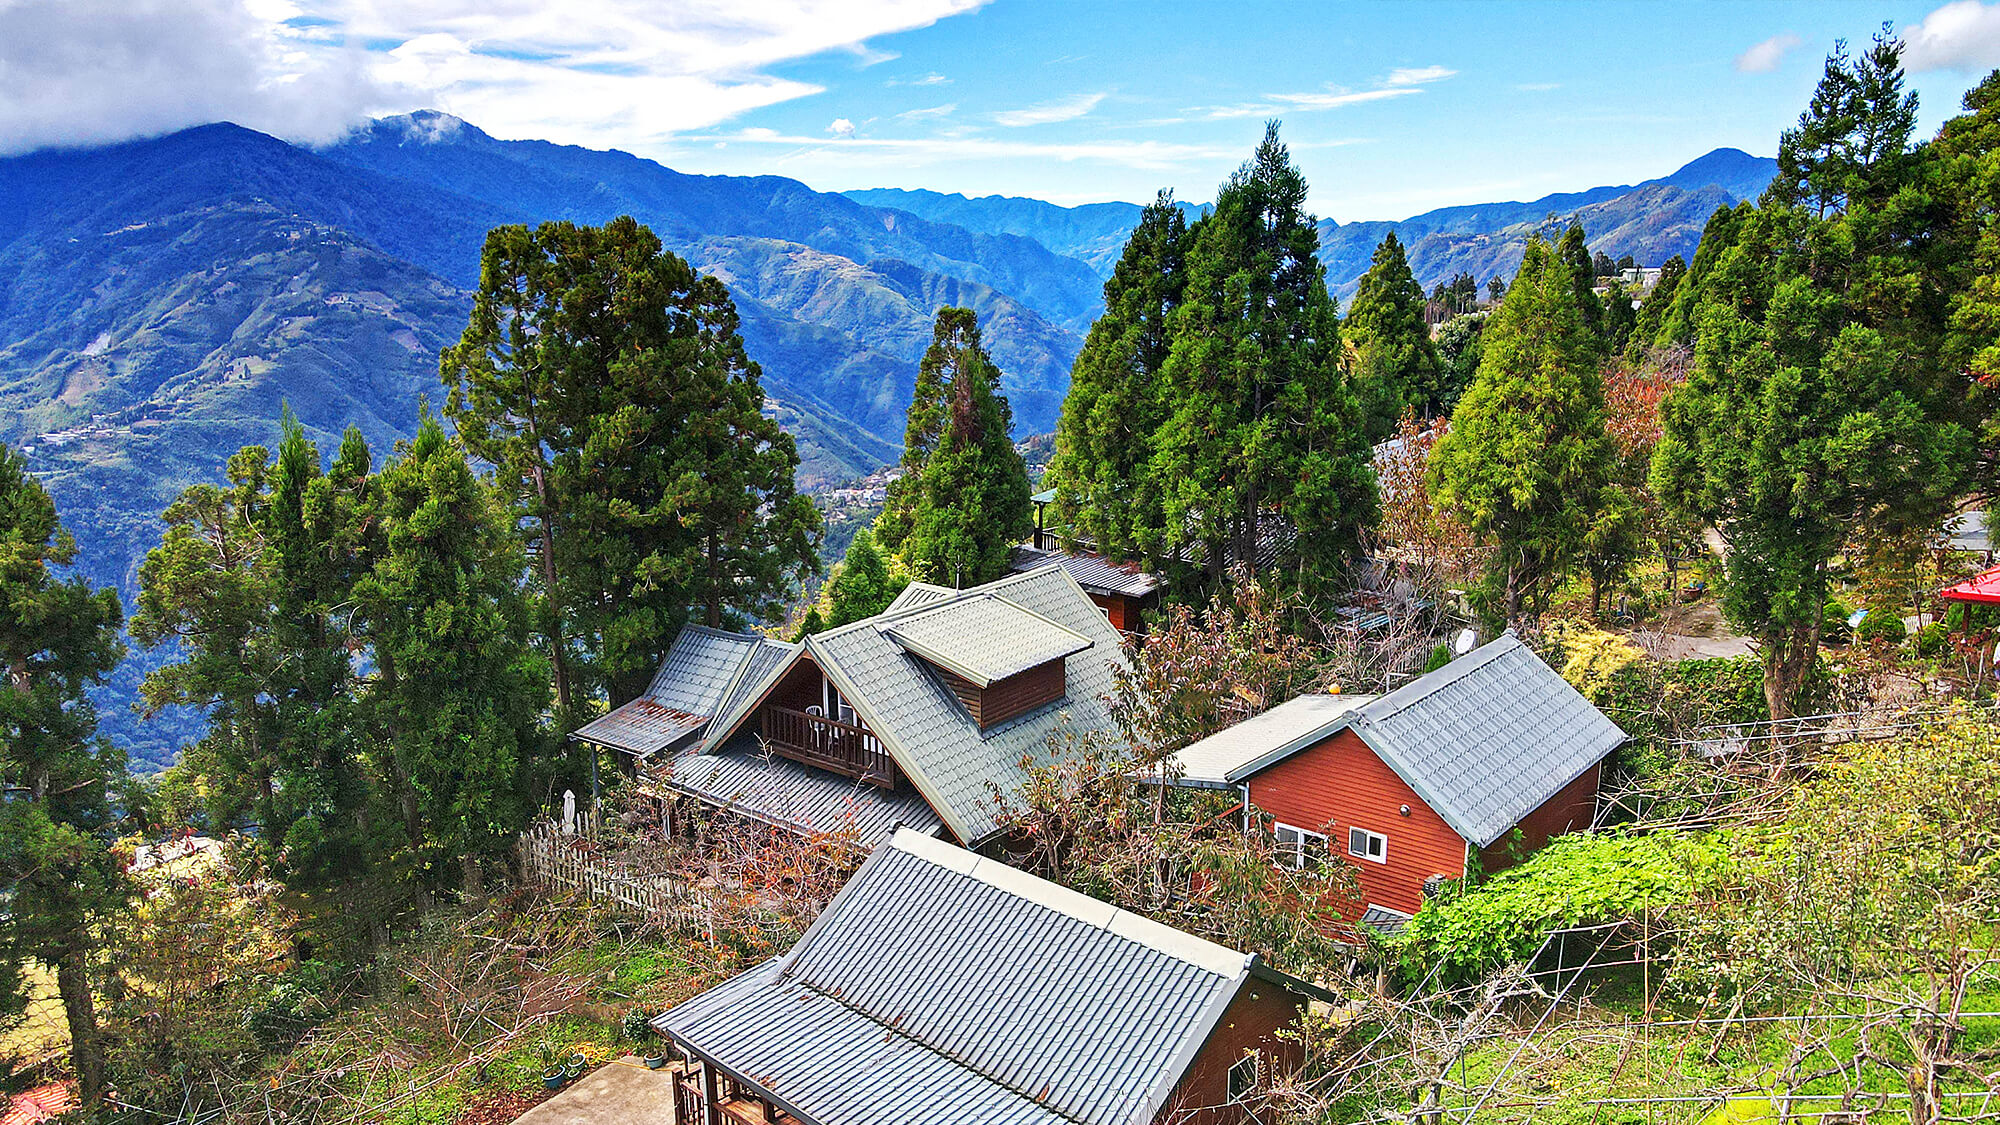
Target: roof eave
[(1291, 746), (857, 699)]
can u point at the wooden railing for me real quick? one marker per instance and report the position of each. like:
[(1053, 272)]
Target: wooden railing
[(844, 748), (688, 1105)]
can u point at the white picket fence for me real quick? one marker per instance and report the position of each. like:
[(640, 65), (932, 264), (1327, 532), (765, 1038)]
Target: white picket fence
[(554, 860)]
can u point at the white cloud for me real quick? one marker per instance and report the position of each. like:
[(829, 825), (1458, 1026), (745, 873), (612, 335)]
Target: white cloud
[(1538, 86), (931, 79), (1765, 57), (1962, 36), (81, 72), (599, 72), (1418, 75), (928, 113), (841, 127), (1048, 113)]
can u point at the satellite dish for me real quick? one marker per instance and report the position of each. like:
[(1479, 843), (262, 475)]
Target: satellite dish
[(1466, 642)]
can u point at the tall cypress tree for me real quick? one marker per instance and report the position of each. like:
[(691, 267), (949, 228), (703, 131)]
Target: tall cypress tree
[(1398, 365), (1652, 313), (1678, 323), (962, 502), (1571, 249), (1104, 437), (1528, 456), (606, 381), (459, 694), (58, 637), (1264, 432)]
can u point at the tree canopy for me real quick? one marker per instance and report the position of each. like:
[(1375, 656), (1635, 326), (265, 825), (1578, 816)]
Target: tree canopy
[(1397, 366)]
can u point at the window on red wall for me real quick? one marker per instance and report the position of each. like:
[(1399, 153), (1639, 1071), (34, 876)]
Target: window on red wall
[(1363, 844), (1297, 848)]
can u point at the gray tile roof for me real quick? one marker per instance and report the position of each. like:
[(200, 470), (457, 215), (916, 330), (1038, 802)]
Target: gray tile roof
[(919, 594), (938, 746), (1487, 738), (1093, 572), (943, 987), (1483, 740), (983, 637), (701, 671), (1384, 920), (743, 779)]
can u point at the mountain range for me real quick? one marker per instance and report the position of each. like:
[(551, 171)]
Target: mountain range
[(161, 299)]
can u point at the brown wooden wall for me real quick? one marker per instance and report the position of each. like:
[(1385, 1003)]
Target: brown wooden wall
[(1250, 1022), (1339, 784), (1570, 810), (1015, 695)]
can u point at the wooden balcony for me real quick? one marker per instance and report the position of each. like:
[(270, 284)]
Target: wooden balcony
[(734, 1106), (828, 744)]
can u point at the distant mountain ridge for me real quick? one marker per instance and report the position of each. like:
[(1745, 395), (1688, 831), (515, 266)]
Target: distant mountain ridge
[(1484, 239)]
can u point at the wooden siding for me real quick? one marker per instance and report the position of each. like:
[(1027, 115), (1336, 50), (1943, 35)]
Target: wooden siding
[(1341, 784), (1250, 1022), (1127, 614), (1570, 810), (1004, 699)]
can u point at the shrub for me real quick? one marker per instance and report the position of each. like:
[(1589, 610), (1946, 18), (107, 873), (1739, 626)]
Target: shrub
[(1882, 625), (1439, 657), (1933, 639), (636, 1025), (1833, 628), (1579, 879)]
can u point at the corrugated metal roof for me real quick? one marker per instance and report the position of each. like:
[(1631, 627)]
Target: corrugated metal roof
[(1227, 756), (938, 746), (983, 637), (1094, 573), (1384, 920), (919, 594), (940, 986), (1487, 738), (747, 781), (704, 670)]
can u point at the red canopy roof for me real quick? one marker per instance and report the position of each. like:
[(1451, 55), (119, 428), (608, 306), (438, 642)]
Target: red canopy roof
[(1981, 587)]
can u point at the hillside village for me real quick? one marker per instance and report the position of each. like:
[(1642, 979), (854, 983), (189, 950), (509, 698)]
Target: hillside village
[(1565, 696)]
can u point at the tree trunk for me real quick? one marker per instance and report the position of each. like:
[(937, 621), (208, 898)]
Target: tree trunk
[(85, 1051), (552, 598), (1788, 659)]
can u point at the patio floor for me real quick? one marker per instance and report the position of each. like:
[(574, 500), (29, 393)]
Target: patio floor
[(617, 1092)]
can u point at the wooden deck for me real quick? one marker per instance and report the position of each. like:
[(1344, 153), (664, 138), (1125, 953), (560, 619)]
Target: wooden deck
[(842, 748)]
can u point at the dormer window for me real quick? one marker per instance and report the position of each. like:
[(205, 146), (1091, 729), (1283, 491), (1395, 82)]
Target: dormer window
[(1000, 660)]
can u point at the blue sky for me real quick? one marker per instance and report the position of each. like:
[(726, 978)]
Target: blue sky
[(1390, 108)]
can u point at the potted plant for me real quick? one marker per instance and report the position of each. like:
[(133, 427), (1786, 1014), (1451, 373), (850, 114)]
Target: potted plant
[(553, 1075), (638, 1027), (574, 1069)]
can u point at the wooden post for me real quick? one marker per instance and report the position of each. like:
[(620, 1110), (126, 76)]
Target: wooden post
[(711, 1104)]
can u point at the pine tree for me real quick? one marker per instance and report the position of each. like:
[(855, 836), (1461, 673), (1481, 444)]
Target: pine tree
[(862, 587), (1528, 456), (459, 693), (58, 638), (965, 503), (1817, 406), (1652, 314), (1398, 366), (1114, 406), (1619, 317), (606, 381), (1677, 325), (1264, 429)]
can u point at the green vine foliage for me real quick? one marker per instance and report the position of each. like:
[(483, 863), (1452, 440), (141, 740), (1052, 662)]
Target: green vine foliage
[(1577, 880)]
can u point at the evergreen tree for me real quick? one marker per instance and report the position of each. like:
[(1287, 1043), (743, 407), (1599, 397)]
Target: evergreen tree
[(1496, 288), (58, 638), (1677, 325), (1626, 262), (1652, 312), (1967, 173), (863, 586), (1619, 317), (1817, 406), (1264, 429), (1601, 265), (1528, 456), (1571, 249), (459, 693), (1114, 406), (606, 381), (1398, 367), (967, 499), (1458, 351)]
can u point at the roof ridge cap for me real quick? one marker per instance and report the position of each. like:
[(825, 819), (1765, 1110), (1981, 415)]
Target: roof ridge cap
[(1449, 674)]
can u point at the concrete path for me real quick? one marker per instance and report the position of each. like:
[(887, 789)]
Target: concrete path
[(616, 1093)]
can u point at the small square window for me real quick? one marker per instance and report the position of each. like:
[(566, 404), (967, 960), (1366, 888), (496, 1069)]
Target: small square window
[(1243, 1075), (1363, 844), (1297, 848)]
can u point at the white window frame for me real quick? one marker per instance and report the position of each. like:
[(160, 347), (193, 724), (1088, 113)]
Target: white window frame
[(1256, 1062), (1293, 856), (1368, 851)]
